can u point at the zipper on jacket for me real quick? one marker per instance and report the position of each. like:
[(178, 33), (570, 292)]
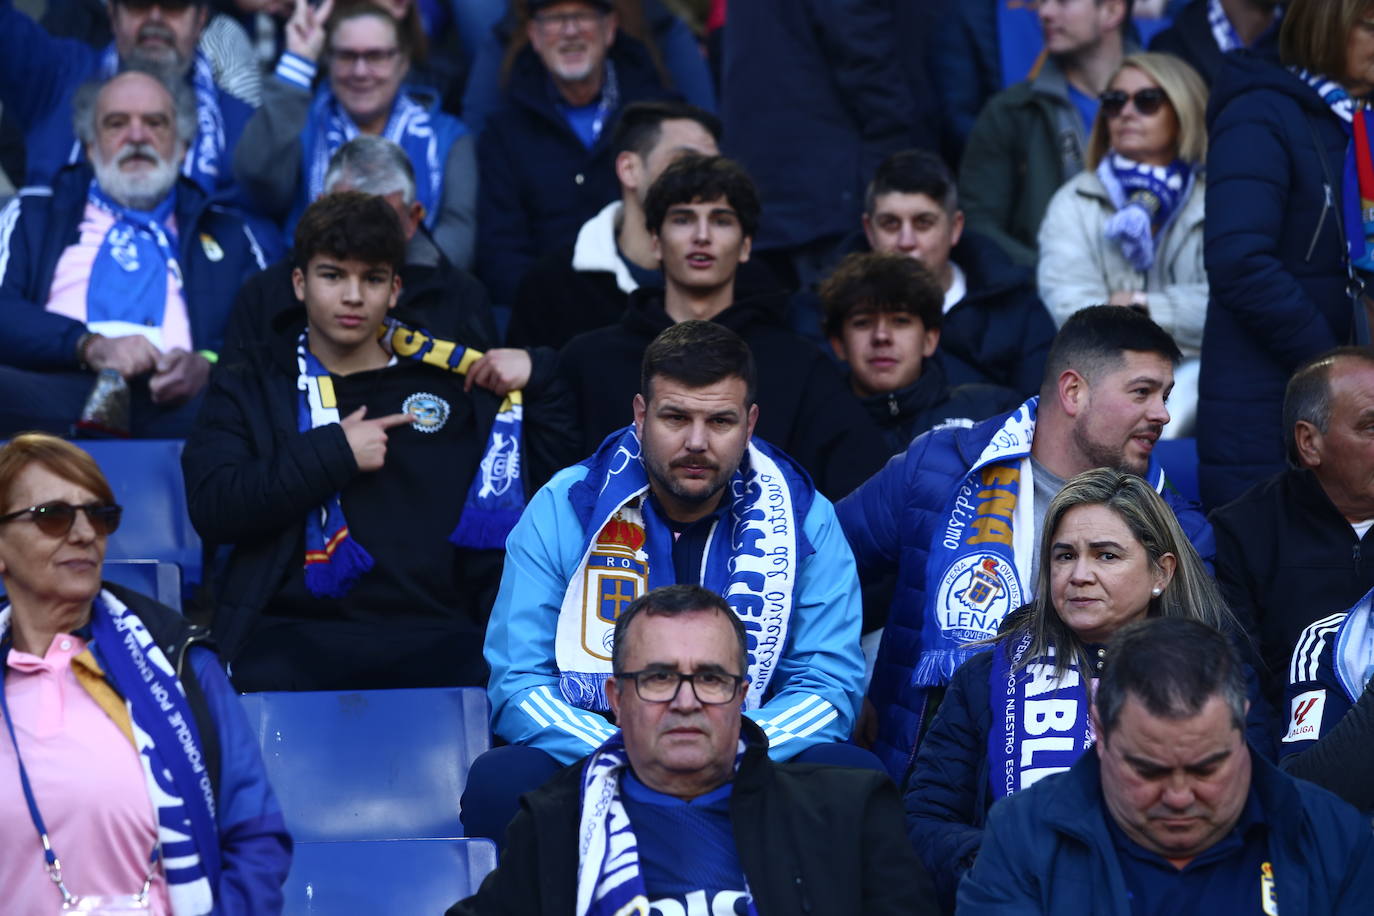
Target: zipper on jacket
[(1321, 221), (1355, 555), (802, 896), (892, 408)]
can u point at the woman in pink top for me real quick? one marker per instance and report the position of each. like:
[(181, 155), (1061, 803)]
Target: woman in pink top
[(131, 780)]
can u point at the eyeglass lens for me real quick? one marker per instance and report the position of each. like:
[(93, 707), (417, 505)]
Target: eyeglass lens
[(1146, 101), (56, 519)]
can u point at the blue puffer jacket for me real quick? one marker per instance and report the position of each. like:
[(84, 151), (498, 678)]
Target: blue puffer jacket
[(1275, 258), (891, 522), (1048, 850), (216, 252)]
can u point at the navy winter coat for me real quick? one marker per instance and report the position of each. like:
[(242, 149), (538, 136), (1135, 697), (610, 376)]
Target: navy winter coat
[(890, 522), (216, 252), (814, 97), (1275, 256), (539, 183)]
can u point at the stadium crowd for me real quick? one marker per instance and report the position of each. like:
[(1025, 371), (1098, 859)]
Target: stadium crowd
[(876, 456)]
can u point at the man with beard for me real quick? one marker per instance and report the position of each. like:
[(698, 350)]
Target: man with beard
[(957, 516), (685, 495), (40, 74), (123, 264)]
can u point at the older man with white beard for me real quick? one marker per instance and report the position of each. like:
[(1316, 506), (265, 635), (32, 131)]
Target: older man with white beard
[(122, 264)]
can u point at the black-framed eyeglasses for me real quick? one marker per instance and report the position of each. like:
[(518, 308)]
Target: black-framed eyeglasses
[(659, 685), (55, 519), (1146, 101), (581, 20), (374, 58)]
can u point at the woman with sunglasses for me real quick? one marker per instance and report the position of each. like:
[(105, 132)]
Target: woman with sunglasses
[(129, 776), (1129, 230)]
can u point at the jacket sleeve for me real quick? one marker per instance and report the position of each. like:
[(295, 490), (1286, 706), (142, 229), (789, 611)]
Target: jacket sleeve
[(527, 706), (987, 184), (455, 231), (505, 238), (31, 337), (255, 847), (234, 491), (955, 71), (1070, 273), (37, 71), (894, 882), (1180, 306), (1003, 879), (267, 161), (945, 790), (552, 439), (1248, 204), (1237, 582), (821, 668)]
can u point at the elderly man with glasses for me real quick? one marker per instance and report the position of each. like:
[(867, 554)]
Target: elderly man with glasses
[(681, 811)]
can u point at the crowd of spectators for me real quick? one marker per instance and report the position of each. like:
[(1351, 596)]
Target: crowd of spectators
[(483, 321)]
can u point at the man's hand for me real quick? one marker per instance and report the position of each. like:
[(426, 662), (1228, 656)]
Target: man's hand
[(367, 438), (501, 371), (130, 356), (305, 29), (180, 376)]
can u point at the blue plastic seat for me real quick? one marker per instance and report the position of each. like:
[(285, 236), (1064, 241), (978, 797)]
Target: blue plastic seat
[(370, 765), (1178, 457), (145, 475), (147, 577), (385, 876)]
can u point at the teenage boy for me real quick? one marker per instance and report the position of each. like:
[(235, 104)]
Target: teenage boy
[(702, 214), (364, 484), (883, 316)]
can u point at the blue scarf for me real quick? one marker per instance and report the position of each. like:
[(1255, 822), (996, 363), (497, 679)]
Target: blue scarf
[(169, 748), (751, 559), (609, 882), (1146, 198), (411, 127), (204, 158), (972, 578), (1040, 722), (128, 282), (1225, 34), (334, 560), (606, 107)]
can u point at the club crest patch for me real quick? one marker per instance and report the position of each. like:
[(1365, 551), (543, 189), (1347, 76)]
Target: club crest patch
[(617, 573), (974, 596), (429, 410)]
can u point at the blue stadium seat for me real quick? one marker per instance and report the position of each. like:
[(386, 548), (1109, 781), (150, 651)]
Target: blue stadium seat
[(146, 477), (370, 765), (1178, 457), (147, 577), (385, 876)]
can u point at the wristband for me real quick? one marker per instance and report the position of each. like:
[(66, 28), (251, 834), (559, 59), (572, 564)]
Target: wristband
[(210, 356)]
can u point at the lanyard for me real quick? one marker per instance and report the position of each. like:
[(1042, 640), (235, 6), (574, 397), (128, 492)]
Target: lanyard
[(53, 864)]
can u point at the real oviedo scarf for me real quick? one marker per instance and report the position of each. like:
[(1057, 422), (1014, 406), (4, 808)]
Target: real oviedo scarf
[(1146, 198), (127, 292), (751, 558), (981, 551), (334, 560), (1040, 722), (1357, 179)]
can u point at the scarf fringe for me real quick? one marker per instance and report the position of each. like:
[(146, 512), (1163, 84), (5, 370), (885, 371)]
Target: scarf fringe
[(336, 576), (584, 689), (484, 528), (937, 666)]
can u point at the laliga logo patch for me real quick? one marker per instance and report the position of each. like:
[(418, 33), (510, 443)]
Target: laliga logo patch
[(429, 410), (974, 596), (1306, 721)]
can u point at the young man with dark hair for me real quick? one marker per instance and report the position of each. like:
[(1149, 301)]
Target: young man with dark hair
[(961, 502), (883, 319), (365, 484), (685, 495), (587, 284), (1171, 811), (701, 214)]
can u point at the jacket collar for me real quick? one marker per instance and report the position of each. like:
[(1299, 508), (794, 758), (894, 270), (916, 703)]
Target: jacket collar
[(596, 248), (927, 391)]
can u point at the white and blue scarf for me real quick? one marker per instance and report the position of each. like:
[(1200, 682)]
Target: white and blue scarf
[(169, 747), (1224, 33), (751, 559), (410, 126), (1358, 229), (981, 551), (1146, 198), (204, 159), (1040, 722), (127, 292), (334, 560), (609, 882)]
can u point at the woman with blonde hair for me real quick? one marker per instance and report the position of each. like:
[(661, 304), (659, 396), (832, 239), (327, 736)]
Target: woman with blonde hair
[(1129, 230)]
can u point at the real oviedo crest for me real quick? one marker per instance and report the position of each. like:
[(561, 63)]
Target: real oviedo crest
[(975, 594)]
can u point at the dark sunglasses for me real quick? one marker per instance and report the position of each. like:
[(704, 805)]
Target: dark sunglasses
[(56, 519), (1146, 101)]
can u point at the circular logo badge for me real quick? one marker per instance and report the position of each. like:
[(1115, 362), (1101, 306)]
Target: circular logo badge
[(429, 410), (975, 594)]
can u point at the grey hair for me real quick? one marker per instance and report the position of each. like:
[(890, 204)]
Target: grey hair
[(373, 165), (183, 102), (1190, 594), (1307, 398)]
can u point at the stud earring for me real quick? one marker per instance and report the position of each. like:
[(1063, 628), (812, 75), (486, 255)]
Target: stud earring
[(1156, 592)]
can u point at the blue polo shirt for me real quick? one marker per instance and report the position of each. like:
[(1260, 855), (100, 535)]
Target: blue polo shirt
[(1087, 107), (687, 854), (1235, 877)]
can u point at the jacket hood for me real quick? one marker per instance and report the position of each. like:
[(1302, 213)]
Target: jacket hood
[(1244, 72)]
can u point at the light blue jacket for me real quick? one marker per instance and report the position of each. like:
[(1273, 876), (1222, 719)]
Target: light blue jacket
[(821, 660)]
